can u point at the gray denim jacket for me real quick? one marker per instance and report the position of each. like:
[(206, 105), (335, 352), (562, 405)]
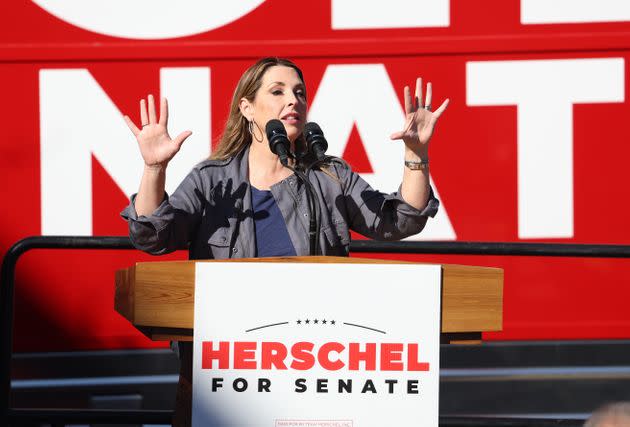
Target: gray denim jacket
[(210, 213)]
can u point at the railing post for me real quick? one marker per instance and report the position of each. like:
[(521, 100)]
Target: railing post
[(7, 277)]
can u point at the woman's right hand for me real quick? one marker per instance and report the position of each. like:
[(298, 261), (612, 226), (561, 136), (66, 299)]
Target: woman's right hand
[(156, 146)]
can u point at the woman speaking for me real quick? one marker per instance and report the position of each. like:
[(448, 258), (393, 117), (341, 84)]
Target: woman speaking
[(243, 202)]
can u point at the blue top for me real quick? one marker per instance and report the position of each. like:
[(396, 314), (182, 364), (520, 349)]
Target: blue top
[(272, 237)]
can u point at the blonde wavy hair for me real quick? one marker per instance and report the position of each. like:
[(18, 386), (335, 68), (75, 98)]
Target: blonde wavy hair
[(236, 135)]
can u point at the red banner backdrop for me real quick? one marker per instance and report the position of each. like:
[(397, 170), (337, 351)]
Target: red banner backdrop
[(533, 146)]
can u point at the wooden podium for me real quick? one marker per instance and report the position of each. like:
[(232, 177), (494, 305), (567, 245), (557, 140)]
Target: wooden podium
[(158, 297)]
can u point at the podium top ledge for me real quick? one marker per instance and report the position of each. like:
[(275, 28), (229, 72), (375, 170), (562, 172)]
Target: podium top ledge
[(322, 260)]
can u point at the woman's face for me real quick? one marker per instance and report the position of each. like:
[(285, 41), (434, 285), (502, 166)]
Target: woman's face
[(281, 96)]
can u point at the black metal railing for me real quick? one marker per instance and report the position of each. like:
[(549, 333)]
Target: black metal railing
[(11, 416)]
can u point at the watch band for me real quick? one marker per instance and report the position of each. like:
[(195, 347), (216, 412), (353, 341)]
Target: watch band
[(417, 166)]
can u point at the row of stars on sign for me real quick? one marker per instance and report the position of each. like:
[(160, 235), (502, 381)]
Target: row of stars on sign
[(315, 321)]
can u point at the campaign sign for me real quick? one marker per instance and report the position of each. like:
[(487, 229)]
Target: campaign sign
[(301, 344)]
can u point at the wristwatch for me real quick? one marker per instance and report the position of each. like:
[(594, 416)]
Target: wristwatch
[(417, 166)]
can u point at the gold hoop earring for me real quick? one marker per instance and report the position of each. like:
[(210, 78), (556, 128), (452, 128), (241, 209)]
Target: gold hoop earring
[(252, 131)]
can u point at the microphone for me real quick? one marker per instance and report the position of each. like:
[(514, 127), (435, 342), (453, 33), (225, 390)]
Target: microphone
[(278, 141), (315, 139)]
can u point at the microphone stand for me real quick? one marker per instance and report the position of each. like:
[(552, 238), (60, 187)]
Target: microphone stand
[(314, 209)]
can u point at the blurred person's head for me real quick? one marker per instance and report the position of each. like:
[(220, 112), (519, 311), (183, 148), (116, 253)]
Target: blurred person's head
[(610, 415)]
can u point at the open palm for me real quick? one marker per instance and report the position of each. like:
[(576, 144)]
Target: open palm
[(419, 120), (156, 146)]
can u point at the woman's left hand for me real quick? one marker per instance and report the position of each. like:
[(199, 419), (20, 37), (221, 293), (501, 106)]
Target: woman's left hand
[(419, 121)]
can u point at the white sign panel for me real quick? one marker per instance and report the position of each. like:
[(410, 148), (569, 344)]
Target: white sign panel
[(310, 345)]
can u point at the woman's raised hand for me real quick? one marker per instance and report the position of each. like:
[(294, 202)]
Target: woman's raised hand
[(419, 120), (156, 146)]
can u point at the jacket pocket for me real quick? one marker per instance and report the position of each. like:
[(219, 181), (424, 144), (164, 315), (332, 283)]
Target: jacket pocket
[(219, 243)]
